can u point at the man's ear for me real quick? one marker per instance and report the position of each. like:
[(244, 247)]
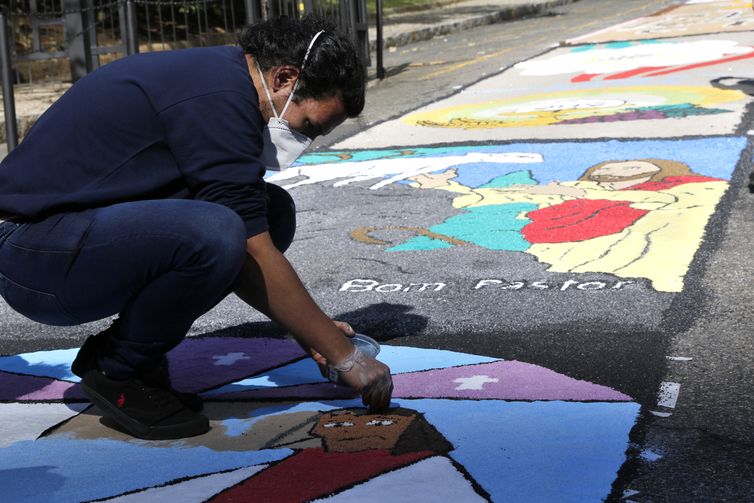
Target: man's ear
[(284, 77)]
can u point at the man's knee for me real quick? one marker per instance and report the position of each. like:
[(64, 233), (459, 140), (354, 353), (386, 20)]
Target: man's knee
[(281, 213), (219, 236)]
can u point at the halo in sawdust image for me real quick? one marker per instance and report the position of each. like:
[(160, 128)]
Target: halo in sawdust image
[(585, 106), (462, 427), (634, 209), (503, 108)]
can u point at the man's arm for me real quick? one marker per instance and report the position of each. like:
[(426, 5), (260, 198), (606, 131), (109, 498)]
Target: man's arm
[(269, 284)]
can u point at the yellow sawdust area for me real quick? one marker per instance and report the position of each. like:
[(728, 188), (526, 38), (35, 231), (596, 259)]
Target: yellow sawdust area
[(659, 246)]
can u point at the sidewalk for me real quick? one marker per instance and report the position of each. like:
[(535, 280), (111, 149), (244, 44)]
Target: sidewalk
[(407, 26), (401, 27), (31, 101)]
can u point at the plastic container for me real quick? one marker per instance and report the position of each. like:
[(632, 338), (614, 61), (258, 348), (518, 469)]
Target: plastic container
[(366, 344)]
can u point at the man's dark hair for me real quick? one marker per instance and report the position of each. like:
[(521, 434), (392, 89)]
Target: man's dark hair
[(333, 66)]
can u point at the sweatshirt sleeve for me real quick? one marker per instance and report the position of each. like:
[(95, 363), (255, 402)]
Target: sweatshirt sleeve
[(216, 139)]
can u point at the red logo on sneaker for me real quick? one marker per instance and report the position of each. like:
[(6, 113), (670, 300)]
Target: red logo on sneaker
[(121, 400)]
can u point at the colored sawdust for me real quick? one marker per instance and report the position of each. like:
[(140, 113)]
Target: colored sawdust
[(256, 448)]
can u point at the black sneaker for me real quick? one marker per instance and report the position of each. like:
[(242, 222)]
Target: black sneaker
[(159, 377), (144, 411), (88, 356)]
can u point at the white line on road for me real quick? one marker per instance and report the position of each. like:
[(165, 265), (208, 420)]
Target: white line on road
[(668, 394), (679, 358)]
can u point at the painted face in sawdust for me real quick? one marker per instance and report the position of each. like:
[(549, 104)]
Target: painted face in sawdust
[(346, 431), (624, 174)]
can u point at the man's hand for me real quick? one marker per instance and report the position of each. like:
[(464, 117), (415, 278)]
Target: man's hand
[(369, 376), (268, 283)]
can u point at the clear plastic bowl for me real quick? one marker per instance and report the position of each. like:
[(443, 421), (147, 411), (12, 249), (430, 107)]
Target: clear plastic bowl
[(366, 344)]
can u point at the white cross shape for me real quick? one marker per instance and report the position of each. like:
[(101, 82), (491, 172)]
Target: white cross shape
[(230, 358), (476, 382)]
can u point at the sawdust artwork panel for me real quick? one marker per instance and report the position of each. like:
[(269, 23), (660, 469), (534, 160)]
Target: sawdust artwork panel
[(617, 111), (612, 90), (633, 209), (696, 17), (608, 105), (280, 432), (644, 59)]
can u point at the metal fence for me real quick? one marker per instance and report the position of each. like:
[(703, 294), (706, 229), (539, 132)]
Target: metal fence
[(63, 40)]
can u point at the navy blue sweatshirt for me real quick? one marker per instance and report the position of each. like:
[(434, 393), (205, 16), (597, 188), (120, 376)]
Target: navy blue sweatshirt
[(179, 124)]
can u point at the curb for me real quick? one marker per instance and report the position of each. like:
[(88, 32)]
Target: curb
[(504, 14), (415, 8)]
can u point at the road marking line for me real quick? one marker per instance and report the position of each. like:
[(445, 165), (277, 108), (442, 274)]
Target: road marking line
[(679, 358), (428, 63), (463, 64), (668, 394)]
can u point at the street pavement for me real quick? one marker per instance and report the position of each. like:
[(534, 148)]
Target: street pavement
[(545, 222)]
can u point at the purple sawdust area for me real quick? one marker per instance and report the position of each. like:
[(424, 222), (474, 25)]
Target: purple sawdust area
[(507, 380), (25, 388)]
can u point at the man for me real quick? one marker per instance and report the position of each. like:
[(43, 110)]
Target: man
[(140, 193)]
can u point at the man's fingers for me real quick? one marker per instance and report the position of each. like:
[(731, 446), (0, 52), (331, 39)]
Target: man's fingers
[(345, 328), (380, 400), (388, 394), (367, 397), (318, 358), (385, 395), (371, 377), (377, 396)]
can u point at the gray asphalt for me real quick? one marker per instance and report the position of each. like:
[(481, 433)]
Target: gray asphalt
[(621, 341)]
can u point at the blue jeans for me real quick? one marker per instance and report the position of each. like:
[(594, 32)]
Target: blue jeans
[(159, 264)]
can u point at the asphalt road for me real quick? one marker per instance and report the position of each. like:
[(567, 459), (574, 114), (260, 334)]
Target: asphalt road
[(702, 452), (693, 445)]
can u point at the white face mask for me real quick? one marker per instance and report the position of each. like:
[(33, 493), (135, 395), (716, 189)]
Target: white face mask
[(283, 145)]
